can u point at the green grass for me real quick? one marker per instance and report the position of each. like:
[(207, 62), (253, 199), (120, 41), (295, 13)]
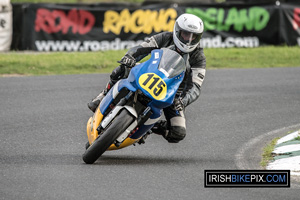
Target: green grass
[(298, 138), (267, 152), (35, 63), (253, 57)]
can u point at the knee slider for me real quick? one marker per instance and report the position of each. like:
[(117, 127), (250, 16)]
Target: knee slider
[(176, 134)]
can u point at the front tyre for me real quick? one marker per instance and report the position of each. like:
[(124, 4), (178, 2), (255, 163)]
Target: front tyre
[(103, 142)]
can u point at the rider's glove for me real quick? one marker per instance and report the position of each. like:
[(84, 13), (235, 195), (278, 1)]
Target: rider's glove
[(128, 60), (178, 104)]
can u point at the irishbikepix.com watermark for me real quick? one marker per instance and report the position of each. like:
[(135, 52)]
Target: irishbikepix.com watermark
[(247, 178)]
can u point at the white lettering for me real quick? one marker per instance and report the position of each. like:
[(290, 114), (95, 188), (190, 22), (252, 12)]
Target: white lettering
[(117, 44), (65, 45), (261, 178), (215, 178), (216, 42)]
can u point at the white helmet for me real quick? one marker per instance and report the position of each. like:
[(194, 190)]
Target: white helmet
[(188, 30)]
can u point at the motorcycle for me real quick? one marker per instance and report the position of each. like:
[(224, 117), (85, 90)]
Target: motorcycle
[(133, 105)]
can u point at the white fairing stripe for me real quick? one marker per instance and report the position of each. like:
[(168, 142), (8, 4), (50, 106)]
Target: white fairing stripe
[(198, 75), (151, 121), (115, 91)]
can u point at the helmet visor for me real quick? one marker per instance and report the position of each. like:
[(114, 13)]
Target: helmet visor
[(188, 38)]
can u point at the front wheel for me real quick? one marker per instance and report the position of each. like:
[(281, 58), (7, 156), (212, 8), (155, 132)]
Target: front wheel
[(103, 142)]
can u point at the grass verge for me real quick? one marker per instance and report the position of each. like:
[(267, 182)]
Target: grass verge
[(267, 152), (43, 63)]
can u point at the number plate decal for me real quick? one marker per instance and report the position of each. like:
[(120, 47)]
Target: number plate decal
[(153, 84)]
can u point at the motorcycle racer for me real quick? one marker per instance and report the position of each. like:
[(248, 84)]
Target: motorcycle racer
[(186, 35)]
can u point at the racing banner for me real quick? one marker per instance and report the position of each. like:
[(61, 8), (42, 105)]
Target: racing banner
[(99, 27), (237, 26), (5, 25), (290, 24), (50, 27)]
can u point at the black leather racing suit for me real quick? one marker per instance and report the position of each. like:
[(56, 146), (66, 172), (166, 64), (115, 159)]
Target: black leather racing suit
[(189, 89)]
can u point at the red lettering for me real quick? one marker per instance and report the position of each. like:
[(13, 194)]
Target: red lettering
[(56, 14), (296, 20), (45, 20), (80, 21), (86, 21), (70, 21)]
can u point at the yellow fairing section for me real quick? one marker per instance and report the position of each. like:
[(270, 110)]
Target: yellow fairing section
[(127, 142), (92, 126), (92, 132)]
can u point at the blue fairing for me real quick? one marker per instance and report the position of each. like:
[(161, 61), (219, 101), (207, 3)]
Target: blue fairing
[(151, 66), (132, 83), (107, 100)]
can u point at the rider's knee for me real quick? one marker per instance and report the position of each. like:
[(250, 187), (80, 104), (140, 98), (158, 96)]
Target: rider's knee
[(176, 134)]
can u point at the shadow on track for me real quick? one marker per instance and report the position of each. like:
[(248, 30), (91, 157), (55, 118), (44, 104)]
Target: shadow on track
[(105, 160), (153, 160)]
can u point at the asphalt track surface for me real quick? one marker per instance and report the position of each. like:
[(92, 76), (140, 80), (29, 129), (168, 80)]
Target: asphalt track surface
[(43, 134)]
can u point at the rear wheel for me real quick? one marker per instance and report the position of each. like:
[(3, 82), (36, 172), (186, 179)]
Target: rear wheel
[(103, 142)]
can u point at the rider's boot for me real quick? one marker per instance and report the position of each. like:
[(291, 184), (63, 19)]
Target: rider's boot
[(96, 101), (117, 74), (160, 128)]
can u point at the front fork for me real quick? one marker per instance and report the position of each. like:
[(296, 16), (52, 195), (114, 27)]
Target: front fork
[(141, 117), (144, 115)]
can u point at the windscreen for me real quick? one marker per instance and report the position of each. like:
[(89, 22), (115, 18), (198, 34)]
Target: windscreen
[(171, 63)]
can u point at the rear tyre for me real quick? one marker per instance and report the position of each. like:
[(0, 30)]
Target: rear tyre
[(103, 142)]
